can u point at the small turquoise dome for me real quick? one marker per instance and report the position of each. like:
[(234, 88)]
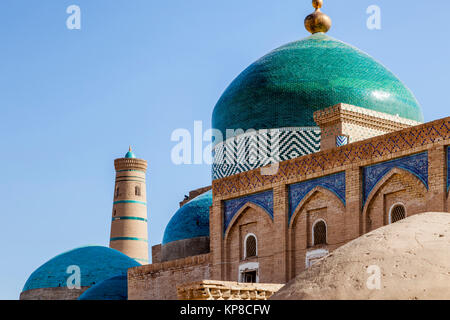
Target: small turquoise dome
[(285, 87), (191, 220), (96, 264), (130, 154), (115, 288)]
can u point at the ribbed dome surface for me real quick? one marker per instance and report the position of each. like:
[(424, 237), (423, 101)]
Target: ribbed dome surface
[(285, 87), (191, 220), (96, 264), (115, 288)]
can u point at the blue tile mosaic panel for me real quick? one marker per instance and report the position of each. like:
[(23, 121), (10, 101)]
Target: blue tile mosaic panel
[(264, 200), (297, 192), (250, 151), (448, 168), (353, 154), (416, 164), (341, 141)]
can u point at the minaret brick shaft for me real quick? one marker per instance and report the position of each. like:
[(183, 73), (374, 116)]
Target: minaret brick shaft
[(129, 233)]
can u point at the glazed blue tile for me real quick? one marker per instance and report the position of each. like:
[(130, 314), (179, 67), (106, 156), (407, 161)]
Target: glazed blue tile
[(190, 221), (341, 141), (115, 288), (416, 164), (286, 86), (96, 264), (297, 192), (264, 200)]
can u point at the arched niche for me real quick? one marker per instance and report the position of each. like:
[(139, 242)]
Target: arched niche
[(397, 186)]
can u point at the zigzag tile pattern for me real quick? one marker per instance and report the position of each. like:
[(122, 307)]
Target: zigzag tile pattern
[(297, 192), (264, 200), (367, 150), (251, 151), (341, 141), (416, 164)]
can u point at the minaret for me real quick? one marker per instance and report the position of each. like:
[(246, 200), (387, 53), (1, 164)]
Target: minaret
[(129, 232)]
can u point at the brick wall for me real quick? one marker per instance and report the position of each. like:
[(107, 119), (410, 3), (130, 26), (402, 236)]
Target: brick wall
[(399, 188), (321, 205), (355, 122), (60, 293), (159, 281), (255, 221), (283, 243), (156, 253)]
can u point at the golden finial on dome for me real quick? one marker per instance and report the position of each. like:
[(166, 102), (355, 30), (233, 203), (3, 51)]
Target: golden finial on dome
[(129, 149), (317, 21)]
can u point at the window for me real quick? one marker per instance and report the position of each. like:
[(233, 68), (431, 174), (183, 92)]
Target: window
[(250, 246), (319, 233), (137, 191), (249, 272), (397, 213), (314, 256), (249, 277), (117, 192)]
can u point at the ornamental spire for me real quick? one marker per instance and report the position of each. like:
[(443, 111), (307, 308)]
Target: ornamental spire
[(130, 154), (317, 21)]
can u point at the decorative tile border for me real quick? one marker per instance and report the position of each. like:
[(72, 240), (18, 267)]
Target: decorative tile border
[(341, 141), (128, 239), (130, 201), (367, 150), (129, 218), (259, 148), (416, 164), (297, 192), (264, 200)]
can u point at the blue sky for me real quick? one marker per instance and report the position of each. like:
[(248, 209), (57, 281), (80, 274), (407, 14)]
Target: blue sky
[(71, 101)]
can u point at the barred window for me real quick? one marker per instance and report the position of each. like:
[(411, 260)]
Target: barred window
[(137, 191), (398, 213), (320, 233), (250, 247), (249, 277)]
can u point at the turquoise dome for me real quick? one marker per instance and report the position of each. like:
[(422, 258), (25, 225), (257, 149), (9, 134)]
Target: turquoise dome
[(191, 220), (130, 155), (96, 264), (115, 288), (285, 87)]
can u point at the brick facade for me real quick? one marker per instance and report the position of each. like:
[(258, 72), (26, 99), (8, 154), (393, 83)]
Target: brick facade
[(411, 170), (356, 123), (350, 189), (129, 230)]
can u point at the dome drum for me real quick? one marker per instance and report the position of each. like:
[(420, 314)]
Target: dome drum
[(184, 248), (59, 293)]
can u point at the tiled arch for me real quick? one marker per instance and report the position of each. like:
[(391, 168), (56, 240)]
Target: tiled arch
[(416, 164), (334, 183), (263, 200)]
